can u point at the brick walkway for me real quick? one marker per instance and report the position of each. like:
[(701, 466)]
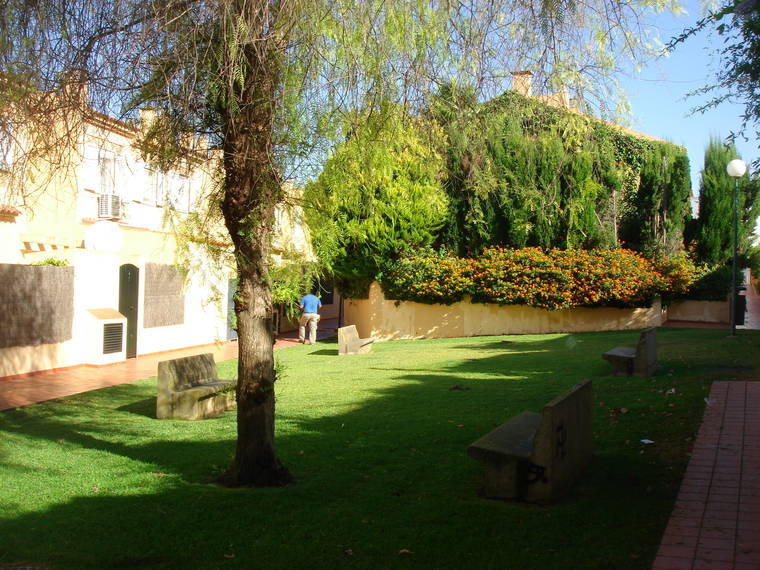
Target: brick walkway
[(715, 523), (716, 520), (42, 386)]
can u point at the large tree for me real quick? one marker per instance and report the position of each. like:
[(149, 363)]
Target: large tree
[(714, 225), (270, 83)]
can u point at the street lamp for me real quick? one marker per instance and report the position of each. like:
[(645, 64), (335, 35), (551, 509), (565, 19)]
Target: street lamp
[(736, 169)]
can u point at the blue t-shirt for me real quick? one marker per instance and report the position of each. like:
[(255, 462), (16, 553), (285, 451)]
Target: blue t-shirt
[(310, 303)]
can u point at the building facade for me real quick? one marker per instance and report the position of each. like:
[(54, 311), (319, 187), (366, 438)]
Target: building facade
[(114, 282)]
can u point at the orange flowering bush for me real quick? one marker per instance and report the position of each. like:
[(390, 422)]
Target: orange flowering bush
[(427, 277), (680, 273), (549, 279)]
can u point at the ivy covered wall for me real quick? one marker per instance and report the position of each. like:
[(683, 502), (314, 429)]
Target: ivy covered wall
[(522, 173), (513, 172)]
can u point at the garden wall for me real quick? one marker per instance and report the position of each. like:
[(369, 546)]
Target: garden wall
[(389, 320), (699, 311)]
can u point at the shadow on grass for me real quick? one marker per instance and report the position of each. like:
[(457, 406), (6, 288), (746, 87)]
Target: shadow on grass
[(324, 352), (378, 474), (145, 407)]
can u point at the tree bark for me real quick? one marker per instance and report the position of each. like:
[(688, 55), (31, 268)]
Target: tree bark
[(252, 190)]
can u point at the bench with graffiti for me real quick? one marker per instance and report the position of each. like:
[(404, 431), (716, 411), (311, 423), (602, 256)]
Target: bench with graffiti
[(538, 456)]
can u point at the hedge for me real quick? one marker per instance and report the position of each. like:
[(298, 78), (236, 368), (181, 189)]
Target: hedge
[(544, 278)]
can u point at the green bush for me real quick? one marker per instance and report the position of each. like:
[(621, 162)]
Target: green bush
[(54, 261), (712, 284)]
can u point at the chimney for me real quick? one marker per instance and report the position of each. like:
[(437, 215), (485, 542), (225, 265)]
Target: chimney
[(147, 117), (521, 82)]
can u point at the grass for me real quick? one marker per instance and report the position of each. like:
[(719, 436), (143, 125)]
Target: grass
[(377, 443)]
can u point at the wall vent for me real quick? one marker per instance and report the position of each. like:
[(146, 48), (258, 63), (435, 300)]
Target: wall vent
[(113, 337), (109, 207)]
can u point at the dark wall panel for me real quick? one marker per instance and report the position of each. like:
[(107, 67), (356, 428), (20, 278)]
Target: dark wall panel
[(164, 303), (36, 304)]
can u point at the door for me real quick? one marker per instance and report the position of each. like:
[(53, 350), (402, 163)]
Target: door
[(129, 287)]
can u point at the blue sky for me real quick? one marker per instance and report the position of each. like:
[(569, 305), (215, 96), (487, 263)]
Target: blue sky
[(658, 94)]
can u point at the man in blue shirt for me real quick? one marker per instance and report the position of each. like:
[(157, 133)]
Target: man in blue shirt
[(310, 305)]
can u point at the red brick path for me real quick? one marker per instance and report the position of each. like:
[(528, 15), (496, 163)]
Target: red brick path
[(42, 386), (716, 520)]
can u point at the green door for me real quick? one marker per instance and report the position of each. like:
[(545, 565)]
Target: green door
[(129, 281)]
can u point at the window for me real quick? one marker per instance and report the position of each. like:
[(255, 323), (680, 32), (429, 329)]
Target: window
[(107, 172), (179, 193), (100, 170), (157, 188), (6, 148)]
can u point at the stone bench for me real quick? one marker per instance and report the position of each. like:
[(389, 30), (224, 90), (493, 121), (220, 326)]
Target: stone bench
[(537, 457), (350, 343), (640, 360), (189, 388)]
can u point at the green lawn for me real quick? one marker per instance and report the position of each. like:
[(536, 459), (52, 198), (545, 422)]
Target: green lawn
[(377, 443)]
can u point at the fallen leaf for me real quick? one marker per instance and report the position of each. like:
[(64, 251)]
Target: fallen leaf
[(229, 556), (623, 410), (404, 551), (348, 552)]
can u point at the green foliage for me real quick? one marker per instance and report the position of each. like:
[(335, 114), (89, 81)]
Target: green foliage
[(378, 195), (714, 231), (54, 261), (711, 284), (291, 279), (549, 279), (523, 173), (656, 212)]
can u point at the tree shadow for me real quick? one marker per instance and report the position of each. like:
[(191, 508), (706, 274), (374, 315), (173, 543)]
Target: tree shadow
[(145, 407), (388, 473), (324, 352)]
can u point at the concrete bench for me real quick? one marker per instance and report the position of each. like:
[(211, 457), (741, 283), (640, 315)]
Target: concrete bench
[(537, 457), (350, 343), (640, 360), (189, 388)]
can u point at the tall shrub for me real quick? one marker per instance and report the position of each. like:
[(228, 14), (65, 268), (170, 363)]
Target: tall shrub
[(522, 173), (714, 226), (656, 212), (378, 195)]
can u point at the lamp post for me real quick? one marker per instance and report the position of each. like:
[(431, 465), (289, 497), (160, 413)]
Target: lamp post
[(736, 169)]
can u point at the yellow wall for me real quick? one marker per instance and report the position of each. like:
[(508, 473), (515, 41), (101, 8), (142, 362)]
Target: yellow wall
[(386, 320), (699, 311)]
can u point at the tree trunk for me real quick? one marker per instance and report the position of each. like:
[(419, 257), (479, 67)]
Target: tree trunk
[(256, 461), (251, 192)]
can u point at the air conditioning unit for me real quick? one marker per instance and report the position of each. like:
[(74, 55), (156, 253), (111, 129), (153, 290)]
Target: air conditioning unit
[(109, 207)]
